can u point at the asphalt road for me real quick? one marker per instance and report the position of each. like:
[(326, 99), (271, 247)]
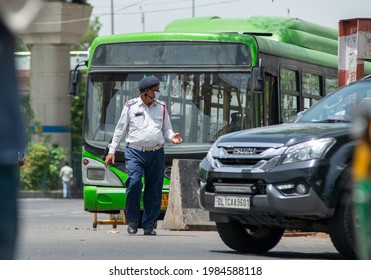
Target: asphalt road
[(58, 229)]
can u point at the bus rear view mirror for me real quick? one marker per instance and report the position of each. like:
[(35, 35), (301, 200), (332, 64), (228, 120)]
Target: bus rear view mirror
[(257, 79), (74, 83)]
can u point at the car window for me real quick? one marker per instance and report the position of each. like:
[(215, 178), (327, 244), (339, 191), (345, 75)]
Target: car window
[(340, 105)]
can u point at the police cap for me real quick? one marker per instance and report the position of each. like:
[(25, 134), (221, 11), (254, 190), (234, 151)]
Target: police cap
[(148, 82)]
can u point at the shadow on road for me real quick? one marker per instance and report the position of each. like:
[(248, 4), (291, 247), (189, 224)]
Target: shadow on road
[(290, 255)]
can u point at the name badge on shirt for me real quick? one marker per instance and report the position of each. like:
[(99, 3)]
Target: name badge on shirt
[(138, 114)]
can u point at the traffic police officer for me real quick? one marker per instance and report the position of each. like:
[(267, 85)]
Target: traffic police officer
[(144, 125)]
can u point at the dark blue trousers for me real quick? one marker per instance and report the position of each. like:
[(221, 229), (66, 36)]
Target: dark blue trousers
[(151, 166)]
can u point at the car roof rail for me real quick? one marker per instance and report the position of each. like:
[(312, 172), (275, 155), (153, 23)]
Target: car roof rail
[(366, 77)]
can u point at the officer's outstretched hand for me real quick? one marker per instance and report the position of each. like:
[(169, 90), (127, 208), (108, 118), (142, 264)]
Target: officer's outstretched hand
[(110, 159), (176, 139)]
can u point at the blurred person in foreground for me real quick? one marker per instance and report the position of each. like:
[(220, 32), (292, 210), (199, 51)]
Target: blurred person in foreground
[(14, 17)]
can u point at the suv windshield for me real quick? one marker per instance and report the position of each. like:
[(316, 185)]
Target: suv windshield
[(340, 105)]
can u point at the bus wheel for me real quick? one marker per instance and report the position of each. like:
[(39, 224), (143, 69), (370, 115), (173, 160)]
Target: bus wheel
[(248, 238)]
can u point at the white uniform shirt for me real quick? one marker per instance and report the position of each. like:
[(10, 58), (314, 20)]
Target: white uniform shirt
[(141, 125)]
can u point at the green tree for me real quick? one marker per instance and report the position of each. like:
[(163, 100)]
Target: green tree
[(20, 46), (77, 115), (31, 124), (28, 115), (90, 35)]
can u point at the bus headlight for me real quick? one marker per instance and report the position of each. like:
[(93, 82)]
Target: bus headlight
[(95, 170), (313, 149), (95, 173)]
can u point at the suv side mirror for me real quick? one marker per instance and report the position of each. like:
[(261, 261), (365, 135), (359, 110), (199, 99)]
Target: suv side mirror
[(74, 83), (257, 79)]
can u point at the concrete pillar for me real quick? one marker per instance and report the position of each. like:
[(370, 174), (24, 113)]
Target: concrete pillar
[(354, 48), (58, 27), (49, 99)]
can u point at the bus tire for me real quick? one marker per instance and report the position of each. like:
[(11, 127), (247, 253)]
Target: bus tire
[(248, 238)]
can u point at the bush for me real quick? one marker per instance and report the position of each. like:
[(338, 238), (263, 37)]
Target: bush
[(41, 167), (35, 170)]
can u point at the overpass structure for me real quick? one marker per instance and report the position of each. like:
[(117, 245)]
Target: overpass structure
[(58, 27)]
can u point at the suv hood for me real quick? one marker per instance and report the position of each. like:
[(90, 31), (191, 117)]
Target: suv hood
[(287, 134)]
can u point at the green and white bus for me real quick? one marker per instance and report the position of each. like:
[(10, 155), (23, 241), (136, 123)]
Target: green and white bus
[(217, 76)]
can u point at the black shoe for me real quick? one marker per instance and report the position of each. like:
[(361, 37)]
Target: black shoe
[(132, 228), (149, 232)]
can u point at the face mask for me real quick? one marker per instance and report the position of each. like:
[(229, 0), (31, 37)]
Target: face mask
[(157, 94)]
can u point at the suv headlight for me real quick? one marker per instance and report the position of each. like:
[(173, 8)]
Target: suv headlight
[(313, 149), (215, 152)]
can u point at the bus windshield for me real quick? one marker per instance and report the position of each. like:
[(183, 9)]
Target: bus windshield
[(171, 53), (202, 105)]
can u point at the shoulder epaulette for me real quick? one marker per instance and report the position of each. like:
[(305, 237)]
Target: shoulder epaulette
[(131, 102)]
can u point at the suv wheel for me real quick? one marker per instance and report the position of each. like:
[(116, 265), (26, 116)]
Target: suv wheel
[(248, 238), (342, 224)]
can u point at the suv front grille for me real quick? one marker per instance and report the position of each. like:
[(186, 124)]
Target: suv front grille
[(239, 161)]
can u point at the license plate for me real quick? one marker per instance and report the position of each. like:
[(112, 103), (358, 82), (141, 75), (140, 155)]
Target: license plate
[(229, 201), (164, 201)]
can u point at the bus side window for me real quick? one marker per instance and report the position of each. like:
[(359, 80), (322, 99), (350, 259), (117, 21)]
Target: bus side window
[(289, 103)]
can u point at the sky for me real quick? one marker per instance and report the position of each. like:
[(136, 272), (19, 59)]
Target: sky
[(153, 15)]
